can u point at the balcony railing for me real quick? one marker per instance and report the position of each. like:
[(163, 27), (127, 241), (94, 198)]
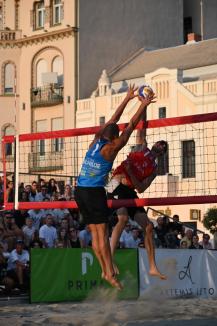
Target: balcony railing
[(51, 161), (46, 95), (9, 35)]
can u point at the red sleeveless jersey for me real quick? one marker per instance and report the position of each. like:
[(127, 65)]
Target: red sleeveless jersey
[(142, 165)]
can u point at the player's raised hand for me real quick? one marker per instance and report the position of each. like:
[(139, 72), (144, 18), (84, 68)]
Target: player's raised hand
[(148, 99), (132, 92)]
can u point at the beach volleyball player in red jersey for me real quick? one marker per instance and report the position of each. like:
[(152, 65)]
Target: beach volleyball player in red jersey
[(135, 174)]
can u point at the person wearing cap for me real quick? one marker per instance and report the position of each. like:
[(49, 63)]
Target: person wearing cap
[(18, 266)]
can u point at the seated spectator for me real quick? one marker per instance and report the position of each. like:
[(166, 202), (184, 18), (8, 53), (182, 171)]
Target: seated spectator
[(36, 243), (134, 240), (68, 194), (48, 233), (188, 237), (183, 244), (63, 238), (11, 230), (160, 232), (40, 196), (125, 235), (171, 239), (33, 192), (205, 243), (59, 214), (3, 265), (195, 243), (64, 224), (28, 189), (28, 231), (10, 192), (4, 249), (85, 237), (74, 238), (18, 267), (21, 215)]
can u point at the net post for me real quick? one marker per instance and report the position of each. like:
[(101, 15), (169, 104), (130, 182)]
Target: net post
[(4, 171), (16, 171)]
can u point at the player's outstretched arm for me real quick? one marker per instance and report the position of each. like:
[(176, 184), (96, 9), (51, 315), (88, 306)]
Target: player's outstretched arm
[(131, 94), (140, 186), (124, 137)]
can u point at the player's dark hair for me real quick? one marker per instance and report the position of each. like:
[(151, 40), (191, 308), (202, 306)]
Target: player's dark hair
[(111, 131)]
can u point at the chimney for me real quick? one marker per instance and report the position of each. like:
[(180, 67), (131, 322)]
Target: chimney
[(193, 37)]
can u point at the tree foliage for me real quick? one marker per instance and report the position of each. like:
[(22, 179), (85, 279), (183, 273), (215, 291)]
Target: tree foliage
[(210, 220)]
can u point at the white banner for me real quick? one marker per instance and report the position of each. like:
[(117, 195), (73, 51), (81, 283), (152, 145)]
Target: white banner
[(190, 272)]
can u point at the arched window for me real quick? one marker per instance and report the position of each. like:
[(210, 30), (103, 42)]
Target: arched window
[(9, 148), (41, 68), (9, 78), (57, 67)]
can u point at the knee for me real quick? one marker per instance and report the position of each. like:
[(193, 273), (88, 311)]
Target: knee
[(122, 214)]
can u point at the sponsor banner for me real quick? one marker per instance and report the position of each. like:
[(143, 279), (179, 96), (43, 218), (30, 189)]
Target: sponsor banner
[(74, 274), (190, 272)]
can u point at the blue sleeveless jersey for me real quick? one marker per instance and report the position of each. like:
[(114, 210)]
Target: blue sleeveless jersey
[(95, 168)]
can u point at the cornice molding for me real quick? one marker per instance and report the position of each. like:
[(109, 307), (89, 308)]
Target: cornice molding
[(39, 38)]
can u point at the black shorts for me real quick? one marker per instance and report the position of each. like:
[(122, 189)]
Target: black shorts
[(124, 192), (92, 203)]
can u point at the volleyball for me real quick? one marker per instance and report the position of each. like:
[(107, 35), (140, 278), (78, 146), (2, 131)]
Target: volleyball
[(145, 91)]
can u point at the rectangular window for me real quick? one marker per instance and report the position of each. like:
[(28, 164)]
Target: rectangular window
[(187, 27), (163, 164), (101, 121), (40, 14), (57, 143), (188, 159), (41, 126), (162, 113), (57, 12)]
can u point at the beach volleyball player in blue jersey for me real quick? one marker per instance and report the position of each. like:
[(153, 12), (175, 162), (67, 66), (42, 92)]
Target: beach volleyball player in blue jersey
[(90, 194)]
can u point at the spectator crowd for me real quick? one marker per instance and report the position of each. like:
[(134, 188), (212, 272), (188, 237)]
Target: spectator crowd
[(22, 230)]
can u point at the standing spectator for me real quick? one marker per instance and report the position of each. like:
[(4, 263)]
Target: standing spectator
[(73, 238), (85, 237), (52, 187), (28, 231), (205, 243), (48, 233), (176, 225), (18, 265), (195, 243), (160, 231)]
